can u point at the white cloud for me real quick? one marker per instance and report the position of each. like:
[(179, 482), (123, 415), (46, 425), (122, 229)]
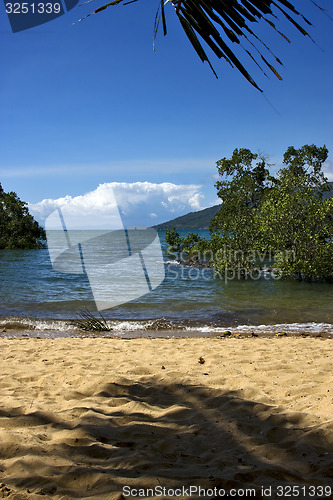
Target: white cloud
[(328, 170), (195, 201), (138, 202)]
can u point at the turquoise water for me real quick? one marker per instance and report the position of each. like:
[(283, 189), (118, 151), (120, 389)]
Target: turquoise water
[(35, 296)]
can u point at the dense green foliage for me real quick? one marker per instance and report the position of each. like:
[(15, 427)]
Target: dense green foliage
[(173, 240), (284, 221), (241, 189), (18, 229), (295, 220)]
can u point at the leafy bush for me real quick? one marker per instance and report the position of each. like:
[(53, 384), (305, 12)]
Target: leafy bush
[(286, 217), (18, 229)]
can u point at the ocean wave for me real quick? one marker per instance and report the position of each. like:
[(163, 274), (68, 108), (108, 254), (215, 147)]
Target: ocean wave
[(56, 328), (144, 325), (30, 324), (292, 328), (15, 323)]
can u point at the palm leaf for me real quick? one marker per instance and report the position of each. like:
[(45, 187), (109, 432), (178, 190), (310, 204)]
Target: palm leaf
[(87, 321), (221, 23)]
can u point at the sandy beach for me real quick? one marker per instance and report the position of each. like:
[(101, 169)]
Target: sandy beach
[(102, 418)]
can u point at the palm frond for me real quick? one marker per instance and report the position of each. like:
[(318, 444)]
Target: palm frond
[(219, 23), (87, 321)]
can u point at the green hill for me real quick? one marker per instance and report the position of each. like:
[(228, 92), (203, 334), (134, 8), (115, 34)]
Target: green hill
[(329, 194), (193, 220)]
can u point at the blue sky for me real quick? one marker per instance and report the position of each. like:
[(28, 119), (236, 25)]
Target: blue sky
[(91, 104)]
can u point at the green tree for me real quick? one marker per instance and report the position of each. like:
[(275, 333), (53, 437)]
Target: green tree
[(18, 229), (285, 218), (224, 24), (173, 241), (244, 182)]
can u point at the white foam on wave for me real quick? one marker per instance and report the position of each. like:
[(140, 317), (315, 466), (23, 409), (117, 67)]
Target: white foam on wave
[(129, 326), (36, 324), (68, 326), (63, 326), (280, 327), (123, 326)]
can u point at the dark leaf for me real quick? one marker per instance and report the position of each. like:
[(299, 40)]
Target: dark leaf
[(221, 23), (163, 18)]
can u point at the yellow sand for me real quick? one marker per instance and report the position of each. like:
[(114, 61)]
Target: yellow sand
[(82, 418)]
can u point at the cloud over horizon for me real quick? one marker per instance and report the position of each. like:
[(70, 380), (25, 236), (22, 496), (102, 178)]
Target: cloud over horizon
[(140, 203)]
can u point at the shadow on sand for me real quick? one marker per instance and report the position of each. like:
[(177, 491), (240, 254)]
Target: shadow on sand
[(151, 434)]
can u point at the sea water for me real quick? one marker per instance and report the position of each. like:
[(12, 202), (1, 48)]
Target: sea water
[(36, 298)]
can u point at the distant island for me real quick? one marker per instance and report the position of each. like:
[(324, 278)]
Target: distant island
[(193, 220)]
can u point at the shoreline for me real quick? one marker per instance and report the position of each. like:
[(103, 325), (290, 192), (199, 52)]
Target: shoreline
[(158, 334), (16, 327)]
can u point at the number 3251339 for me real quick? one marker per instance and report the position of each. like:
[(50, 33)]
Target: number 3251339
[(33, 8)]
